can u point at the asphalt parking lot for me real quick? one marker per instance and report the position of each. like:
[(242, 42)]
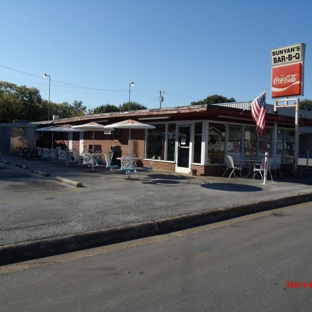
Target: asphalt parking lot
[(48, 207)]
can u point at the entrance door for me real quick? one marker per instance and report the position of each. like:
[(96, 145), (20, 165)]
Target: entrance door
[(183, 149)]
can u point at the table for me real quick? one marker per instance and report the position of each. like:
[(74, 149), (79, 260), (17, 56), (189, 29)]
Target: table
[(250, 163), (128, 164), (90, 159)]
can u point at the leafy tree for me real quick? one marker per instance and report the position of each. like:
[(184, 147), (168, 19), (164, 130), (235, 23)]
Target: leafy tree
[(19, 102), (66, 110), (306, 104), (214, 99), (108, 108), (131, 106)]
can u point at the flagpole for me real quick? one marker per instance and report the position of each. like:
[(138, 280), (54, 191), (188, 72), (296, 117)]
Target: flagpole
[(252, 101)]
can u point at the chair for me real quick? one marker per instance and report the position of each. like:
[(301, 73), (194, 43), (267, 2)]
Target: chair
[(53, 153), (259, 169), (276, 165), (39, 149), (230, 165), (46, 152), (76, 156), (134, 161), (110, 156), (88, 159), (108, 160), (98, 158), (150, 167), (61, 154)]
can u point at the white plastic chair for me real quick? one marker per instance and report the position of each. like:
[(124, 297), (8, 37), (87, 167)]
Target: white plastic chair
[(108, 160), (150, 167), (39, 149), (61, 154), (88, 159), (258, 169), (46, 152), (76, 156), (98, 158), (230, 165)]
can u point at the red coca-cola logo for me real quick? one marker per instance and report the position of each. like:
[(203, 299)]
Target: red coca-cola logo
[(285, 79)]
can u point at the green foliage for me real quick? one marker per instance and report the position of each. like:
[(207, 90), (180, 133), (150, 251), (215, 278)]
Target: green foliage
[(19, 102), (23, 103), (306, 104), (214, 99), (108, 108), (131, 106)]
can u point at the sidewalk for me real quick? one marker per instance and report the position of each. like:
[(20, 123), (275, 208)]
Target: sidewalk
[(48, 207)]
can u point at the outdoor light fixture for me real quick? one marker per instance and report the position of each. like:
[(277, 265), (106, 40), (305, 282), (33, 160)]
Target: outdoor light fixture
[(131, 84), (45, 76)]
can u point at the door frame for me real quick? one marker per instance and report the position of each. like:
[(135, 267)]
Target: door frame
[(190, 147)]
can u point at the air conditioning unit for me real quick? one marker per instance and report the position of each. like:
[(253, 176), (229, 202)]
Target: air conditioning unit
[(115, 131)]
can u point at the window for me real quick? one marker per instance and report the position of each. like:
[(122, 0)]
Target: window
[(156, 142), (171, 142), (198, 142), (265, 145), (216, 137), (250, 143), (289, 146), (234, 143)]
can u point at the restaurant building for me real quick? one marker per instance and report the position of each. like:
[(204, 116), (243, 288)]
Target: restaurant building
[(191, 139)]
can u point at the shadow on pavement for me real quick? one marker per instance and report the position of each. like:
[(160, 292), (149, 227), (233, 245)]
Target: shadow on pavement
[(167, 177), (228, 187), (159, 181)]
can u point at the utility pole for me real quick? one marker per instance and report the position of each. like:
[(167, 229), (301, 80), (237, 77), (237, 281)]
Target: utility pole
[(161, 98)]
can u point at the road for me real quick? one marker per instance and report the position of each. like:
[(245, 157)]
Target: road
[(244, 264)]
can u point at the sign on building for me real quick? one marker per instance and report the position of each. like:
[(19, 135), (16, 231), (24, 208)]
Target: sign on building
[(287, 74)]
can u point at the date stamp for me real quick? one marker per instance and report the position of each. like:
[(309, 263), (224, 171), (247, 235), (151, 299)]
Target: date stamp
[(298, 284)]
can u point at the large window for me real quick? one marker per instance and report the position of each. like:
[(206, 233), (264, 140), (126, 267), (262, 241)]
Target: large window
[(198, 142), (265, 143), (156, 142), (234, 143), (250, 143), (216, 137), (171, 142), (159, 142), (289, 146)]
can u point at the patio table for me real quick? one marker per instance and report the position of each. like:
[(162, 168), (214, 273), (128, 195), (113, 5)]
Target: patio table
[(250, 163)]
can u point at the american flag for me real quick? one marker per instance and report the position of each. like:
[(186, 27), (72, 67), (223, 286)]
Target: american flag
[(258, 113)]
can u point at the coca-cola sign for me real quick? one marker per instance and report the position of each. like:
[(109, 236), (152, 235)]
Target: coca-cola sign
[(287, 80)]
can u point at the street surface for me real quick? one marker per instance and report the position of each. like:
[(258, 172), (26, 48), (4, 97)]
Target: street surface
[(259, 262)]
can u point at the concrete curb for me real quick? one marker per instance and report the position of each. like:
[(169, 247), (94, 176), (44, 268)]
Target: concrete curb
[(5, 161), (67, 181), (22, 166), (44, 174), (48, 247)]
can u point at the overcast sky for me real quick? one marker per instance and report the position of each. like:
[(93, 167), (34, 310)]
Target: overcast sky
[(93, 49)]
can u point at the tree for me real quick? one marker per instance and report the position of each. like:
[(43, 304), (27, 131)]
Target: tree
[(66, 110), (306, 104), (108, 108), (19, 102), (131, 106), (214, 99)]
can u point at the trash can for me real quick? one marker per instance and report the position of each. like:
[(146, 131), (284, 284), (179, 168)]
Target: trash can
[(117, 153)]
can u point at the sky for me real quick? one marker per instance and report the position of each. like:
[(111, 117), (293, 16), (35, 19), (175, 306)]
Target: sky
[(188, 49)]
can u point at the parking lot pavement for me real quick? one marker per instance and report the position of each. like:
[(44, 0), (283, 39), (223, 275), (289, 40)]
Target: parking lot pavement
[(48, 207)]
